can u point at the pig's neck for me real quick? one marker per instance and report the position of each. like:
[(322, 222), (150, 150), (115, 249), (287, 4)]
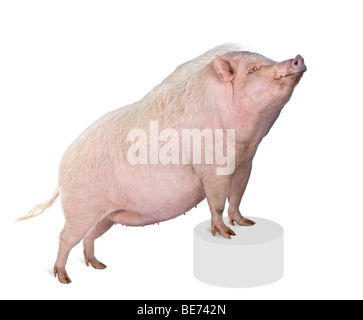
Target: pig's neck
[(254, 126), (250, 129)]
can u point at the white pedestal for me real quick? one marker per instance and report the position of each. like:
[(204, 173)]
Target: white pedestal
[(253, 257)]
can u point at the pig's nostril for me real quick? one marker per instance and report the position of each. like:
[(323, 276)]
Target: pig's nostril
[(298, 64)]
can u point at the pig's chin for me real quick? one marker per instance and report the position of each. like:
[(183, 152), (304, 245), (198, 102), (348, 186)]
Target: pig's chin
[(295, 78)]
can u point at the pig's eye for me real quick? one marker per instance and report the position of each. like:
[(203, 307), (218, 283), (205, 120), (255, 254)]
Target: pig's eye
[(252, 69)]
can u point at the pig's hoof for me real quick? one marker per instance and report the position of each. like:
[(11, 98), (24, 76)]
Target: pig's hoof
[(223, 230), (62, 275), (95, 263), (241, 221)]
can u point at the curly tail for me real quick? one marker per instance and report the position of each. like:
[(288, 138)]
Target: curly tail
[(38, 209)]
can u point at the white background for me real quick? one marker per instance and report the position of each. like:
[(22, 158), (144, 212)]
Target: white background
[(63, 64)]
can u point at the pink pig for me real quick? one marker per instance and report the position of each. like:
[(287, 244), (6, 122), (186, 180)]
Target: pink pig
[(106, 177)]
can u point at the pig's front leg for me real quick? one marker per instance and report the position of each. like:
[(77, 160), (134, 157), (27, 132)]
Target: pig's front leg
[(236, 190), (216, 191)]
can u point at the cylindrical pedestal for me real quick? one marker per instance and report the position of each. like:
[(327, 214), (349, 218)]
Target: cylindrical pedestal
[(253, 257)]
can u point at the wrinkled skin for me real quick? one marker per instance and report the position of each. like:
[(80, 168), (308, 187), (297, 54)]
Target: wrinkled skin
[(99, 188)]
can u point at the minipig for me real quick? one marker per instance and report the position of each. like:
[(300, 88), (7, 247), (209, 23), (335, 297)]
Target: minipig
[(143, 163)]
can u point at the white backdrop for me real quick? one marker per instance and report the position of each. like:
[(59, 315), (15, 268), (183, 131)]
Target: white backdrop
[(63, 64)]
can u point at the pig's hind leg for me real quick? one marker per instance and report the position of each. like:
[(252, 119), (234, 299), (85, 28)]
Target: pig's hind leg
[(76, 227), (89, 243)]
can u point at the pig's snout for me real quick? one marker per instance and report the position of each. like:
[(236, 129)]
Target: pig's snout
[(298, 64)]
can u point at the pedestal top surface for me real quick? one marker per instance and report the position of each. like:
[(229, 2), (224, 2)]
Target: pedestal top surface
[(263, 231)]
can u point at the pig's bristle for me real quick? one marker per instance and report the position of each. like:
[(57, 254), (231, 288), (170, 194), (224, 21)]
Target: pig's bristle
[(182, 83)]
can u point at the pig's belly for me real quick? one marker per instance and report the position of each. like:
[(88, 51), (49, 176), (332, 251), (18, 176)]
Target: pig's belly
[(156, 195)]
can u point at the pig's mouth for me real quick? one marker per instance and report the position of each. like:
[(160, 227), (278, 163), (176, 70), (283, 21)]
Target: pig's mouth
[(295, 74)]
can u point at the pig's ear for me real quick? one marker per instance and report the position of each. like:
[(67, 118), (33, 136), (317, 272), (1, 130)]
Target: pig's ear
[(225, 68)]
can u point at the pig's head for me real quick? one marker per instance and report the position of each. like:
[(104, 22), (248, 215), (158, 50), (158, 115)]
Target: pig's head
[(257, 83)]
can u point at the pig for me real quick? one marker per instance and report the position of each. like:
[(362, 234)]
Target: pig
[(102, 180)]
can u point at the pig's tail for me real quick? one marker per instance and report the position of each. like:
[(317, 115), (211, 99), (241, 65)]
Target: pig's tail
[(40, 208)]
